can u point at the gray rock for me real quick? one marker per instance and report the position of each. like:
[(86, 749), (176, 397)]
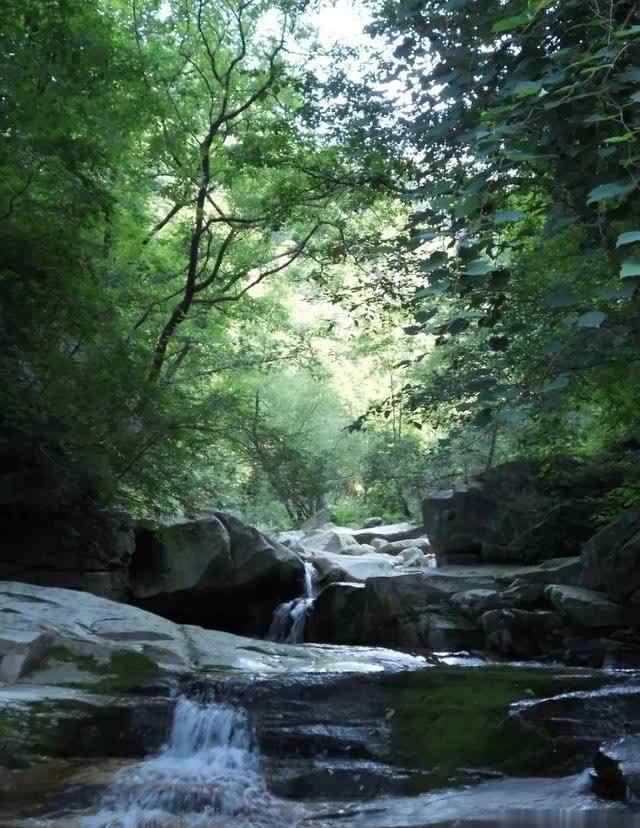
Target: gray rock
[(476, 602), (521, 634), (412, 557), (511, 513), (354, 568), (566, 571), (318, 521), (389, 612), (611, 559), (215, 572), (357, 549), (80, 549), (89, 627), (371, 522), (395, 547), (25, 657), (330, 541), (585, 607), (389, 533)]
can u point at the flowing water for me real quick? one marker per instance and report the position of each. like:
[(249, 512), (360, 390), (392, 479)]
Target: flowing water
[(289, 619), (208, 775)]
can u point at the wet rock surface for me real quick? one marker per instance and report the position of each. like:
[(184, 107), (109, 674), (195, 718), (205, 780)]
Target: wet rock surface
[(401, 748)]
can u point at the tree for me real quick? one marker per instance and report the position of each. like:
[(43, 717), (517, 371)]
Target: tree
[(523, 131)]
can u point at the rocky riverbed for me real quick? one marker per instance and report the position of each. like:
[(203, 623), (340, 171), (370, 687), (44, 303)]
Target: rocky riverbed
[(121, 719)]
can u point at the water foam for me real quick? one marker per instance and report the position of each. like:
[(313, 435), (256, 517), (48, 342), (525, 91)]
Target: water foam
[(208, 775)]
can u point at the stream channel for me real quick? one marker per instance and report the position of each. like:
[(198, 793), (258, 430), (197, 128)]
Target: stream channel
[(407, 744)]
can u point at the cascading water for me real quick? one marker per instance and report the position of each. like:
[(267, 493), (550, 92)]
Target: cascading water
[(207, 776), (290, 618)]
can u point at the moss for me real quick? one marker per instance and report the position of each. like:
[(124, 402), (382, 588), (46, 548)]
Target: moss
[(124, 670), (451, 718)]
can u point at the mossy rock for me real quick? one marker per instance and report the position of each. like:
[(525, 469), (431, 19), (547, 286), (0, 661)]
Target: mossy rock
[(125, 670), (446, 719)]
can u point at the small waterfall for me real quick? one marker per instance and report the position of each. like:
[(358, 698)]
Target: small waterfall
[(208, 774), (289, 618)]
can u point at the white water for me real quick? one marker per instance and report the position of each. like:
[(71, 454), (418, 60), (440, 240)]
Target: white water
[(207, 776), (289, 619)]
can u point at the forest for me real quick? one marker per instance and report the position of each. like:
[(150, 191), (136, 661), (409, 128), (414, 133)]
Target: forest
[(243, 268)]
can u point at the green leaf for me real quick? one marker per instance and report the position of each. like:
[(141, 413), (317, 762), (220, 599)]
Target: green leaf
[(628, 238), (526, 89), (616, 189), (591, 319), (630, 269), (632, 31), (479, 267), (507, 24), (506, 216), (620, 139)]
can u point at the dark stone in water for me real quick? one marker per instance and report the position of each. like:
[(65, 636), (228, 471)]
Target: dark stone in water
[(607, 779)]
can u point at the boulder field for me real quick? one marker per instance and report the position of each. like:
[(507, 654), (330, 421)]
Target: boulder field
[(514, 576), (523, 570)]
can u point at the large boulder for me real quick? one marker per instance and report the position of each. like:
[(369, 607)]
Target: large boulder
[(585, 607), (77, 548), (215, 572), (517, 633), (403, 611), (510, 514), (611, 559), (103, 645)]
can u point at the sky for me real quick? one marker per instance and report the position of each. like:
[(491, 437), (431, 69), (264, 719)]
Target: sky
[(341, 22)]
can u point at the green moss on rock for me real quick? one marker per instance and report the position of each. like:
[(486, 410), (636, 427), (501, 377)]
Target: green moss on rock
[(446, 719)]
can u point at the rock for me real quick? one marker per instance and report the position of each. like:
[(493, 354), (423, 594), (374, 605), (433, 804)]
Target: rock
[(291, 538), (521, 634), (371, 522), (354, 568), (389, 533), (566, 571), (87, 549), (317, 521), (401, 612), (337, 615), (607, 779), (584, 607), (182, 556), (26, 657), (117, 645), (520, 595), (412, 557), (475, 602), (214, 572), (611, 558), (395, 547), (511, 513), (357, 549), (329, 541), (559, 533)]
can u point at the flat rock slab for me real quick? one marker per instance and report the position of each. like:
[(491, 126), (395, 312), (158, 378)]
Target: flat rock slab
[(585, 607), (390, 532), (88, 627)]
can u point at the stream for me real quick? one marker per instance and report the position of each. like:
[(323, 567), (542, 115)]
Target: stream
[(464, 743)]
